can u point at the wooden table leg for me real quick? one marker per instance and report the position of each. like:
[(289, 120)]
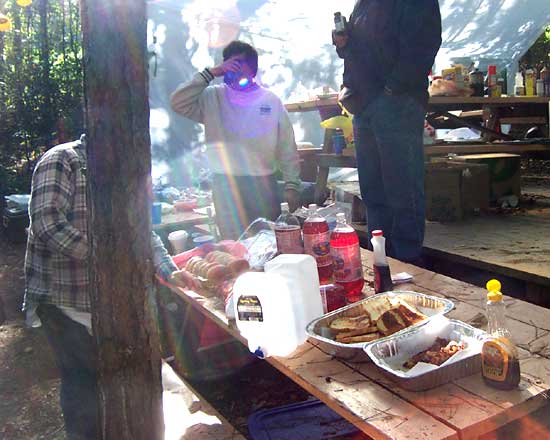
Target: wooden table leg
[(322, 173)]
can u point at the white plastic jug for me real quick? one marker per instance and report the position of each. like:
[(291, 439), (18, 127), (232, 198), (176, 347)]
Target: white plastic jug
[(300, 270), (264, 314), (272, 309)]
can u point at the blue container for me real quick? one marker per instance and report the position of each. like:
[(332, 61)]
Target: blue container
[(156, 213), (338, 142), (202, 240), (311, 420)]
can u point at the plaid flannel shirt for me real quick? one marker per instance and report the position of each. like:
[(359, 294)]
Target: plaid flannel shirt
[(56, 262)]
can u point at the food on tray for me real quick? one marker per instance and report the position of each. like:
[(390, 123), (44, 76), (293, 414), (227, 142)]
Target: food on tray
[(212, 272), (350, 324), (384, 317), (398, 318), (359, 338), (440, 351), (236, 265)]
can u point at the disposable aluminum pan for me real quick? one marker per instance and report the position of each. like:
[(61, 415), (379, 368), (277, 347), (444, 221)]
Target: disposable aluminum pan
[(320, 332), (391, 353)]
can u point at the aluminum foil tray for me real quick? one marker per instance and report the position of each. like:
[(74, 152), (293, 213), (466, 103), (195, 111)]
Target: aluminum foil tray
[(319, 331), (390, 354)]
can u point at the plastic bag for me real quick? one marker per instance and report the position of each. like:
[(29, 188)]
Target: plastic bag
[(260, 243)]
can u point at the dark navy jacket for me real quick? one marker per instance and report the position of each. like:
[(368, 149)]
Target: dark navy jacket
[(392, 44)]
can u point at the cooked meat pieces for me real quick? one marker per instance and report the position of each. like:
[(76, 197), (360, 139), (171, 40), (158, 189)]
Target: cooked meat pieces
[(441, 350)]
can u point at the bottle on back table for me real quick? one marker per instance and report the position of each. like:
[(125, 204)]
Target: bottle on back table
[(288, 232), (346, 259), (317, 243)]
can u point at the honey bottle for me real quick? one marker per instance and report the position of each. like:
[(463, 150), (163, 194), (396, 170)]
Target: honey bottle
[(499, 355)]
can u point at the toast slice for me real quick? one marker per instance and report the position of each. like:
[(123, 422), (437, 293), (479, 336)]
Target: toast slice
[(361, 338), (348, 324), (358, 332), (390, 322), (409, 314)]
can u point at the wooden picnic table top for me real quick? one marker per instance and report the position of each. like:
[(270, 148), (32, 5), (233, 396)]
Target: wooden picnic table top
[(463, 409), (434, 101)]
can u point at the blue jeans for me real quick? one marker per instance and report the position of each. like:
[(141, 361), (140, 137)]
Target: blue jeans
[(76, 357), (390, 162)]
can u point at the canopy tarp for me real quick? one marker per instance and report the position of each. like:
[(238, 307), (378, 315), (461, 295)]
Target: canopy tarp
[(296, 54)]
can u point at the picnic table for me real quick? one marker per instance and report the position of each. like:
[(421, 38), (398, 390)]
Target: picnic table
[(463, 409), (484, 114)]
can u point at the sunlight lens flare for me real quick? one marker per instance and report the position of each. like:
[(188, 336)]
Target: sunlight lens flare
[(5, 23), (24, 3)]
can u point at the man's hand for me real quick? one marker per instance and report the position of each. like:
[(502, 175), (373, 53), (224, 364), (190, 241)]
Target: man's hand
[(177, 279), (339, 40), (292, 197), (231, 65)]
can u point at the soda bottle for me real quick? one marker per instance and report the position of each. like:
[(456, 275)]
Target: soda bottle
[(288, 232), (340, 25), (382, 274), (499, 355), (346, 258), (317, 243)]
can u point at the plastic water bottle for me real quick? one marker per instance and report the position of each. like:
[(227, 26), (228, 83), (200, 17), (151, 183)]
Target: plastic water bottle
[(273, 308), (346, 258), (317, 243), (382, 274), (288, 232)]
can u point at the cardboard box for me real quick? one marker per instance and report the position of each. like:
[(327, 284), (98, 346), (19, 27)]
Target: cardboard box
[(504, 172), (454, 190)]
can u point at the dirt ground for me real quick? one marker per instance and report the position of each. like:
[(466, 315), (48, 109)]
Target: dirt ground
[(29, 380)]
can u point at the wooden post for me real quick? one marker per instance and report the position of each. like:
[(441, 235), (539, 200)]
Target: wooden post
[(119, 166)]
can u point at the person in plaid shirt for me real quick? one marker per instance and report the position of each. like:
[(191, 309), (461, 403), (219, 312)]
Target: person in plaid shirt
[(56, 279)]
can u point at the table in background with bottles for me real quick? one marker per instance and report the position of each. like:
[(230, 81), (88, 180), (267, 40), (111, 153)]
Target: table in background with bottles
[(481, 113), (462, 409)]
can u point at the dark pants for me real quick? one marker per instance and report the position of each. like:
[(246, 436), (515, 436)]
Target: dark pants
[(76, 357), (390, 162), (239, 200)]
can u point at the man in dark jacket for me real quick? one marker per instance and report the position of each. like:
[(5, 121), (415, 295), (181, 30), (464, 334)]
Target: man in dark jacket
[(388, 50)]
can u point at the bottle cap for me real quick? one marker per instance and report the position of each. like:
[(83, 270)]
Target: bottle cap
[(341, 217), (377, 233), (312, 206), (284, 206), (494, 286)]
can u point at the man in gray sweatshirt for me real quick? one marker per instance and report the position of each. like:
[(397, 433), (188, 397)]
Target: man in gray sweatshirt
[(248, 136)]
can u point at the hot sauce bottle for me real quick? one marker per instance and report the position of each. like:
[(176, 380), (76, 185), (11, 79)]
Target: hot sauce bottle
[(499, 355)]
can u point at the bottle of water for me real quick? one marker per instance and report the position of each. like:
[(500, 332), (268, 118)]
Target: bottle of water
[(346, 258), (288, 232), (317, 243)]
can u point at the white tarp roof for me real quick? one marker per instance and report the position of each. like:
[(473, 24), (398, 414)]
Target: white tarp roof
[(293, 38)]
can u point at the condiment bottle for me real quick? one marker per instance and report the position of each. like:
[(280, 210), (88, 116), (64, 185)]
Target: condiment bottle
[(545, 76), (381, 268), (476, 82), (317, 243), (492, 80), (346, 258), (529, 82), (519, 88), (288, 232), (499, 355)]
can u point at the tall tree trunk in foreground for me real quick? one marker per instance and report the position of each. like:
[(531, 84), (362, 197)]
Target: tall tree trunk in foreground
[(119, 166)]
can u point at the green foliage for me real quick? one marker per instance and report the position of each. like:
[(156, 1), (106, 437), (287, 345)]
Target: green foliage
[(41, 90), (538, 54)]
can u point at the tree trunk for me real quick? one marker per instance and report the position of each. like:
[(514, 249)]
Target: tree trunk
[(119, 166)]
